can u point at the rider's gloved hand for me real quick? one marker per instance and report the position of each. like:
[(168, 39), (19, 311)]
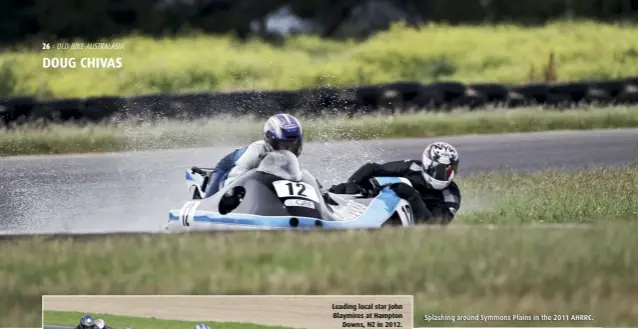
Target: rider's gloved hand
[(346, 188)]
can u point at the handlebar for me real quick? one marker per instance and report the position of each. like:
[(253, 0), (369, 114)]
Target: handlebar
[(201, 171), (367, 193), (375, 190)]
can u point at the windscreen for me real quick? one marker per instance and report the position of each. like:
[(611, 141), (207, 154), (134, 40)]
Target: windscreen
[(282, 164)]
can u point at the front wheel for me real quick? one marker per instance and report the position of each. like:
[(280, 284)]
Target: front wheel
[(196, 194)]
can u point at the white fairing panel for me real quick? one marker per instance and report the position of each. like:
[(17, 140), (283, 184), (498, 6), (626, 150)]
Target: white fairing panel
[(194, 183), (405, 213), (282, 164)]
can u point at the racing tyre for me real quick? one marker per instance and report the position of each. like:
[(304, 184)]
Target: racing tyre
[(394, 221)]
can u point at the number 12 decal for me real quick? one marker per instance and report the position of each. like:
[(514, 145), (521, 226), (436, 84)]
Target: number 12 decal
[(301, 190)]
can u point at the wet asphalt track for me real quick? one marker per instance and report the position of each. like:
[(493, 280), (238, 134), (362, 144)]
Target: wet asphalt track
[(133, 191)]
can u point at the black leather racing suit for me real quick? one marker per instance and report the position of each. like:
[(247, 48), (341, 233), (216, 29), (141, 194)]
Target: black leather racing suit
[(85, 327), (429, 205)]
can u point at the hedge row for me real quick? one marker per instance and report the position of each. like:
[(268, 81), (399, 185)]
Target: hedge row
[(95, 19), (394, 97)]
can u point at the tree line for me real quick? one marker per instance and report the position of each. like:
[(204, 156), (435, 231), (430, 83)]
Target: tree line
[(92, 20)]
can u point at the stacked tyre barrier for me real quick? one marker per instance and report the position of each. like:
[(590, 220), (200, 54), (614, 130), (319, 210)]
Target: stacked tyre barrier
[(391, 98)]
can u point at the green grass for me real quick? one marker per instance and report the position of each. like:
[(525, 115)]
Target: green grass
[(600, 196), (500, 53), (462, 269), (71, 319), (222, 131)]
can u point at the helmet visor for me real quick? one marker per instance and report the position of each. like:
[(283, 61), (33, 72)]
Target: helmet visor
[(440, 171), (288, 145)]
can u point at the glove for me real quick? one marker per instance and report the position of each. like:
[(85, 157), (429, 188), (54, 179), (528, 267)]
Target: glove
[(346, 188), (443, 216)]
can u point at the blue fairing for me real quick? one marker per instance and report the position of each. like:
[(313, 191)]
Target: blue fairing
[(379, 210), (388, 180), (189, 177), (244, 219)]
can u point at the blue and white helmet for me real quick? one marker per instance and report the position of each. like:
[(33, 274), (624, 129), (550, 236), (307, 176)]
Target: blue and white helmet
[(86, 322), (201, 326), (284, 132)]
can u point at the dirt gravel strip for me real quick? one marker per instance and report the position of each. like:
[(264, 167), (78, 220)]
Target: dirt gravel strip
[(306, 312)]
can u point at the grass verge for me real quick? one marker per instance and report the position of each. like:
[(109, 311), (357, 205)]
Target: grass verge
[(583, 50), (71, 319), (457, 270), (222, 130)]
